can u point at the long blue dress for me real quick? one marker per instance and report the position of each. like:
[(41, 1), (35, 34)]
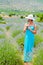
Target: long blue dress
[(28, 45)]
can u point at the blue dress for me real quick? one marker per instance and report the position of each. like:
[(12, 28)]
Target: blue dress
[(28, 45)]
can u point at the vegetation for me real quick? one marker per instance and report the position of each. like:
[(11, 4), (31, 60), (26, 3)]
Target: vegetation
[(38, 58), (2, 36), (1, 18), (15, 33), (12, 13), (8, 27), (39, 17), (20, 41), (1, 29), (38, 39), (41, 31), (2, 22), (22, 17), (22, 13), (9, 55)]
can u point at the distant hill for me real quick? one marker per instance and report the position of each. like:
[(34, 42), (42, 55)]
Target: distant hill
[(31, 5)]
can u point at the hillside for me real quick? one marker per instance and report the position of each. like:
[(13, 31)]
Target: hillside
[(31, 5)]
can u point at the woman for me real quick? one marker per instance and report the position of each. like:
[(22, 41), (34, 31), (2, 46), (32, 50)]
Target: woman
[(30, 30)]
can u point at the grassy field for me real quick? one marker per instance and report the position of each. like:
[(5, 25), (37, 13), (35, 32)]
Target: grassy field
[(11, 32)]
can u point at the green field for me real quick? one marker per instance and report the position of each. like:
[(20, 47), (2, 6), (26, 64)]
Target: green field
[(12, 37)]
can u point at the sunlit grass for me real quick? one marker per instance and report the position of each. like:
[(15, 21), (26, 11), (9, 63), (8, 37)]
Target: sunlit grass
[(38, 39), (1, 18), (2, 22), (2, 36), (38, 58), (15, 33), (39, 17), (20, 41), (41, 31), (8, 27), (9, 54), (1, 29)]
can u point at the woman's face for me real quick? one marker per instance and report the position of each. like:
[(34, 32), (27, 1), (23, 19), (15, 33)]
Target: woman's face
[(30, 20)]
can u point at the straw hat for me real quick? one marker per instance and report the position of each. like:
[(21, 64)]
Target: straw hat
[(30, 17)]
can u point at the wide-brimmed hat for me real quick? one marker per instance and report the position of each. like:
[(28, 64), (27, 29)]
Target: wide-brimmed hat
[(30, 17)]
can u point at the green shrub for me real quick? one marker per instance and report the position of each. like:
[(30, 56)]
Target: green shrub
[(40, 17), (1, 29), (41, 31), (22, 17), (9, 55), (15, 33), (8, 27), (20, 41), (2, 22), (38, 39), (11, 14), (2, 36), (38, 58), (1, 18)]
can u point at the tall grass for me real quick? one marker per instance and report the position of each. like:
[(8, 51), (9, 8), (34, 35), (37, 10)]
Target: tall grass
[(15, 33), (38, 39), (2, 36), (1, 29), (40, 17), (20, 41), (38, 58), (9, 55)]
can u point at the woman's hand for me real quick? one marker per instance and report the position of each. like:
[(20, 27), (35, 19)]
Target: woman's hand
[(25, 27)]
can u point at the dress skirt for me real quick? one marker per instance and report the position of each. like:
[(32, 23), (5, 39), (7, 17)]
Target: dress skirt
[(28, 46)]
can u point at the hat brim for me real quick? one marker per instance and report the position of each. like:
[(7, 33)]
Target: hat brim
[(30, 18)]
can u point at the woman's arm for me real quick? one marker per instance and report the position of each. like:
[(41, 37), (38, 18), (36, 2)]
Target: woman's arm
[(35, 30), (25, 27)]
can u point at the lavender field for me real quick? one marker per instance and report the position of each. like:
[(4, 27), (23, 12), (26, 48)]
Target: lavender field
[(11, 30), (12, 20)]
